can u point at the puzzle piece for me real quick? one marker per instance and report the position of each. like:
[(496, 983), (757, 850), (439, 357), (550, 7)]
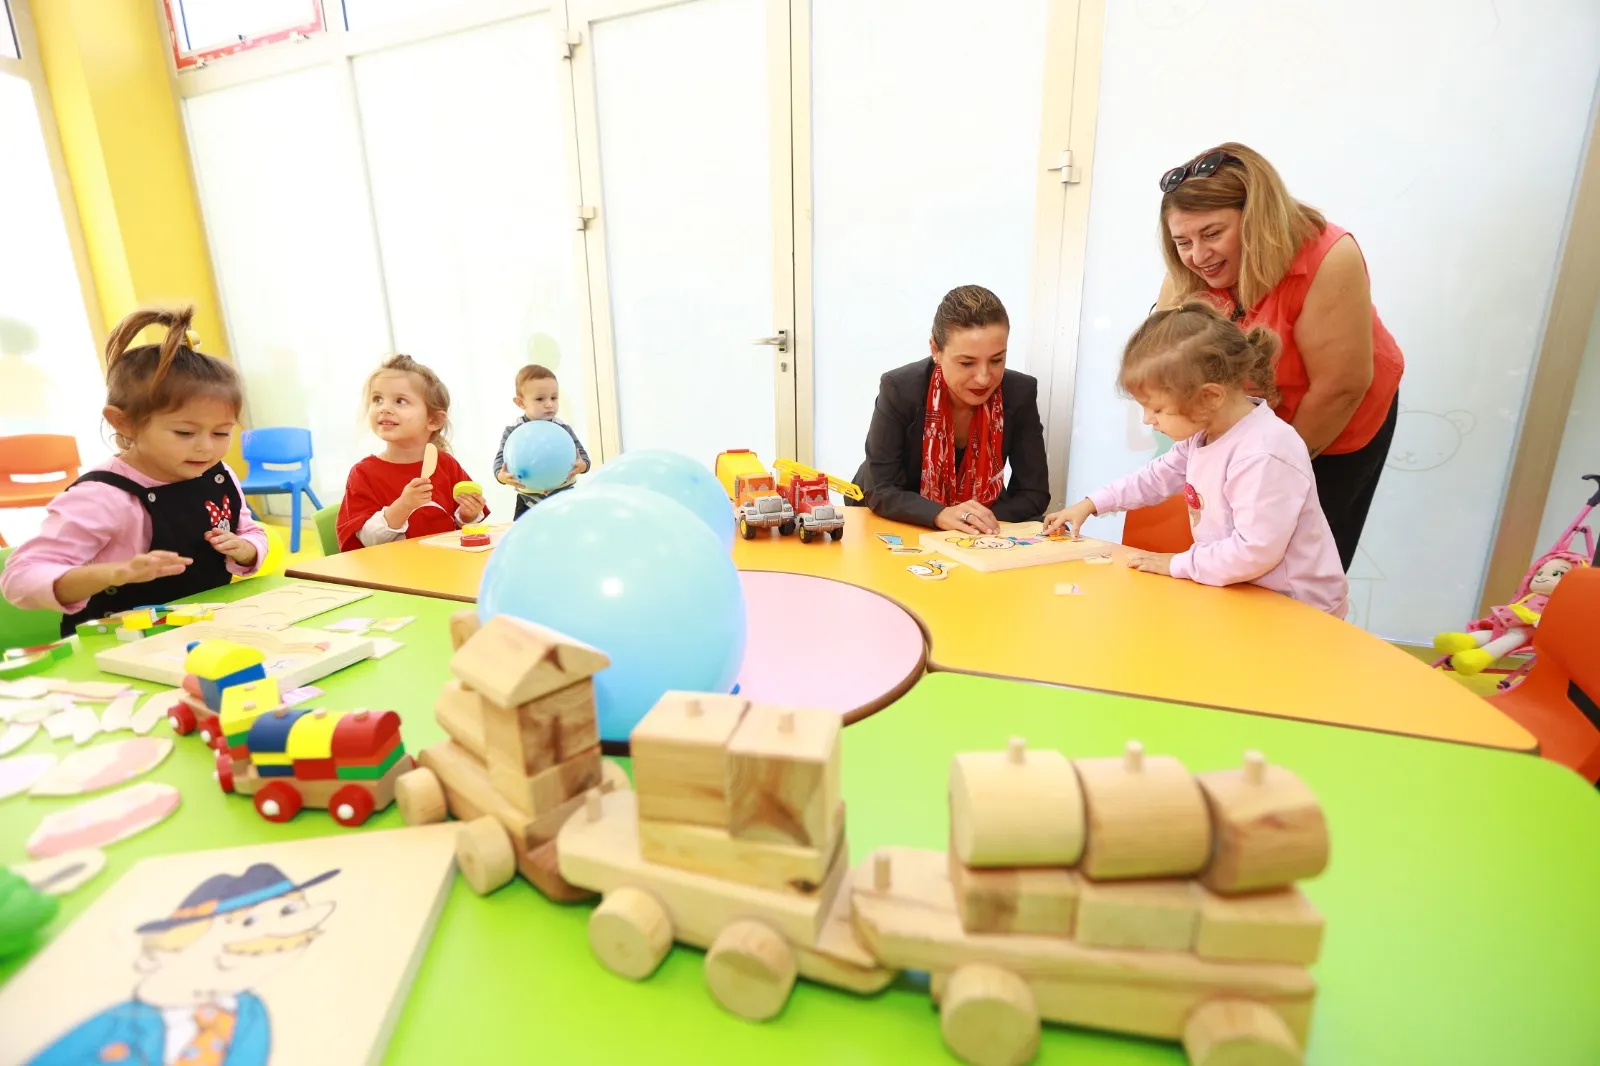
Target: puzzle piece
[(1068, 589)]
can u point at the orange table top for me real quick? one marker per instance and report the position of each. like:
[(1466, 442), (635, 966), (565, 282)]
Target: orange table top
[(1241, 648)]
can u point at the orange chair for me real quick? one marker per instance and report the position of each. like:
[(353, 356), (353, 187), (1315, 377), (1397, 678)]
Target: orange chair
[(35, 454), (1162, 528), (1559, 701)]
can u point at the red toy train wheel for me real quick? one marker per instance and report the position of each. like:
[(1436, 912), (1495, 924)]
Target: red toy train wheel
[(351, 805), (278, 801), (225, 771), (210, 730), (181, 719)]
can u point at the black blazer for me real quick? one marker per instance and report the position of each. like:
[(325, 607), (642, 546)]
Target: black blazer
[(891, 477)]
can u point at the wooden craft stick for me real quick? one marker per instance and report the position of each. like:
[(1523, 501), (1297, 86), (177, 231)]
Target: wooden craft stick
[(430, 459)]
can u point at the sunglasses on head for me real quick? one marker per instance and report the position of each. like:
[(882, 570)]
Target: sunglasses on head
[(1203, 167)]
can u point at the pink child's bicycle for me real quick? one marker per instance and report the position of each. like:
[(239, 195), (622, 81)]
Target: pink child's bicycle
[(1509, 630)]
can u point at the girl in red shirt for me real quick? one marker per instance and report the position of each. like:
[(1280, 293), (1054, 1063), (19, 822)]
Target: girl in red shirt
[(386, 497)]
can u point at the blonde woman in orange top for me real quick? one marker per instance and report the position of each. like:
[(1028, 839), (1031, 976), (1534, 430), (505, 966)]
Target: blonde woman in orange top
[(1232, 234)]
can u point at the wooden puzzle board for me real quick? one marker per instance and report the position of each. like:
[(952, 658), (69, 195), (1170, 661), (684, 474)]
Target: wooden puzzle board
[(329, 1001), (1018, 544), (453, 540), (285, 605), (294, 657)]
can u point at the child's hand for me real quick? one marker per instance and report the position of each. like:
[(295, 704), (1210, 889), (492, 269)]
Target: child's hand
[(470, 507), (232, 545), (148, 567), (1151, 562), (415, 494), (1070, 519), (505, 478)]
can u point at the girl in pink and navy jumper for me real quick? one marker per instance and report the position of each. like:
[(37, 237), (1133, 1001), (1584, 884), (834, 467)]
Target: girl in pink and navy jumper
[(1245, 474), (165, 518)]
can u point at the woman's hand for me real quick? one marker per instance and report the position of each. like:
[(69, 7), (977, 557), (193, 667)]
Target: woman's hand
[(232, 545), (1151, 562), (1070, 519), (970, 517)]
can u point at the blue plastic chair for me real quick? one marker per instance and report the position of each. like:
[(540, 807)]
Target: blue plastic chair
[(287, 450)]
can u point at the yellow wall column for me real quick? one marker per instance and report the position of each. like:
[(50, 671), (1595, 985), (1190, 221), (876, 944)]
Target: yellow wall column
[(127, 155)]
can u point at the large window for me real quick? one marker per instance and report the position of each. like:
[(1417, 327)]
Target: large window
[(203, 30), (8, 33)]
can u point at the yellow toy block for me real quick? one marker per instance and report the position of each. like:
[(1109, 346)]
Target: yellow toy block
[(145, 619), (312, 736), (215, 659), (188, 616), (243, 704)]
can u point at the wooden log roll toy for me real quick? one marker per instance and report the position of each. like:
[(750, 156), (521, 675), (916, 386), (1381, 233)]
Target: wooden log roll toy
[(1016, 808), (1270, 829), (1146, 817)]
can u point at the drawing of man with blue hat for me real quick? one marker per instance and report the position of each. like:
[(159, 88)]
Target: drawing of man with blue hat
[(195, 1003)]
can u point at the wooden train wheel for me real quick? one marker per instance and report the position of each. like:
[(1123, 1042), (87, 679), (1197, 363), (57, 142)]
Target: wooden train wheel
[(279, 801), (210, 730), (420, 797), (750, 970), (351, 805), (483, 852), (989, 1017), (1237, 1032), (181, 719), (630, 933), (224, 771)]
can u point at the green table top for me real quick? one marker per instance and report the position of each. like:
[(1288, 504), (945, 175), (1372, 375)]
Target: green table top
[(1461, 926)]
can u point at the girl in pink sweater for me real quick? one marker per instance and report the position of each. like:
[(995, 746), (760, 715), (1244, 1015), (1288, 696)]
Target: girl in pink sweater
[(1245, 473), (165, 518)]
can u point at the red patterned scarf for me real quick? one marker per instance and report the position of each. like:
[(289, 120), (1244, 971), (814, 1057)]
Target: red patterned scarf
[(982, 473)]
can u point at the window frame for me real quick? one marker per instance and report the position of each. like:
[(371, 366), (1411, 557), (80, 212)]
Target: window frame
[(184, 60)]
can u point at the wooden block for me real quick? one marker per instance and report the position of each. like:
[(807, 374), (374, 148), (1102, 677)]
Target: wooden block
[(1278, 925), (1015, 808), (1039, 900), (511, 661), (542, 868), (680, 757), (710, 850), (558, 726), (1146, 817), (459, 712), (783, 775), (462, 625), (1150, 915), (601, 852), (545, 791), (466, 785), (1237, 1032), (911, 923), (1270, 828)]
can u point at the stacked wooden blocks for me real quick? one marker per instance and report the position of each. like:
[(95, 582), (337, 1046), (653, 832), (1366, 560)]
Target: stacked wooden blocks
[(524, 747), (743, 792)]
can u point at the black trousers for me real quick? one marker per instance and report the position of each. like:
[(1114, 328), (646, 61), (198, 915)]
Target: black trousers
[(1346, 484)]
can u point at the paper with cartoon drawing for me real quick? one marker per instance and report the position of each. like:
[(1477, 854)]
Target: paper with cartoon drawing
[(1016, 545), (297, 952)]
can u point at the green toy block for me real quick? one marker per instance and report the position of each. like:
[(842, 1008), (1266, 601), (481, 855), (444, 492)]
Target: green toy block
[(371, 773)]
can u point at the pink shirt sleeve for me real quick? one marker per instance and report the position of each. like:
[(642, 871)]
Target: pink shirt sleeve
[(248, 529), (1266, 496), (78, 525), (1147, 486)]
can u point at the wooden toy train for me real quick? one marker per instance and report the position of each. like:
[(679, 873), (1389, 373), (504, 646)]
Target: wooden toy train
[(286, 758), (1123, 893)]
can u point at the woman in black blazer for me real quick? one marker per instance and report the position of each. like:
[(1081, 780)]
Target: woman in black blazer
[(944, 428)]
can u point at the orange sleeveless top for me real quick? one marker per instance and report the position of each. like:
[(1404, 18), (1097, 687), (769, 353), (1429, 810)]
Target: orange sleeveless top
[(1280, 309)]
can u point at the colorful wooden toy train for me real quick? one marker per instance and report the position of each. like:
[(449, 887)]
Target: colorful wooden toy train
[(1123, 893), (287, 758)]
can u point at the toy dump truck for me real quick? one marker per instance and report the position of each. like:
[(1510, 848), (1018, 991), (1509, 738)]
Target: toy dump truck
[(806, 489), (524, 747), (1121, 894), (754, 491), (732, 841)]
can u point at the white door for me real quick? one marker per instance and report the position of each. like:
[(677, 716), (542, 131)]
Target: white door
[(684, 160)]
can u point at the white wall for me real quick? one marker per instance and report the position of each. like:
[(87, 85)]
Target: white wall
[(1580, 452), (1445, 134)]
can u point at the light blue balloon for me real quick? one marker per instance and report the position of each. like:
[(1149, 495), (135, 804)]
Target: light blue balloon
[(678, 477), (634, 574), (540, 454)]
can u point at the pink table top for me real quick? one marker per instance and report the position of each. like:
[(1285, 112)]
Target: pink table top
[(820, 643)]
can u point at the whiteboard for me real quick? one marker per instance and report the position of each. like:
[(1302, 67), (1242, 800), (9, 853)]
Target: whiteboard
[(1446, 136)]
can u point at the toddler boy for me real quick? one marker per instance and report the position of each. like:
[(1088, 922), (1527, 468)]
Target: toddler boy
[(538, 395)]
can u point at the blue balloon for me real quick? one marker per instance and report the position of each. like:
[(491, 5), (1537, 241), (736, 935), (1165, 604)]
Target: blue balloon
[(677, 477), (540, 455), (634, 574)]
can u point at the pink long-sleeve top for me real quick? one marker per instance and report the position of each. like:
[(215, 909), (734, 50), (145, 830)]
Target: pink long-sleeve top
[(1253, 506), (98, 523)]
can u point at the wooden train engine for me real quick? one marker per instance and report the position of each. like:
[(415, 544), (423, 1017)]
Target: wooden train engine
[(211, 668)]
